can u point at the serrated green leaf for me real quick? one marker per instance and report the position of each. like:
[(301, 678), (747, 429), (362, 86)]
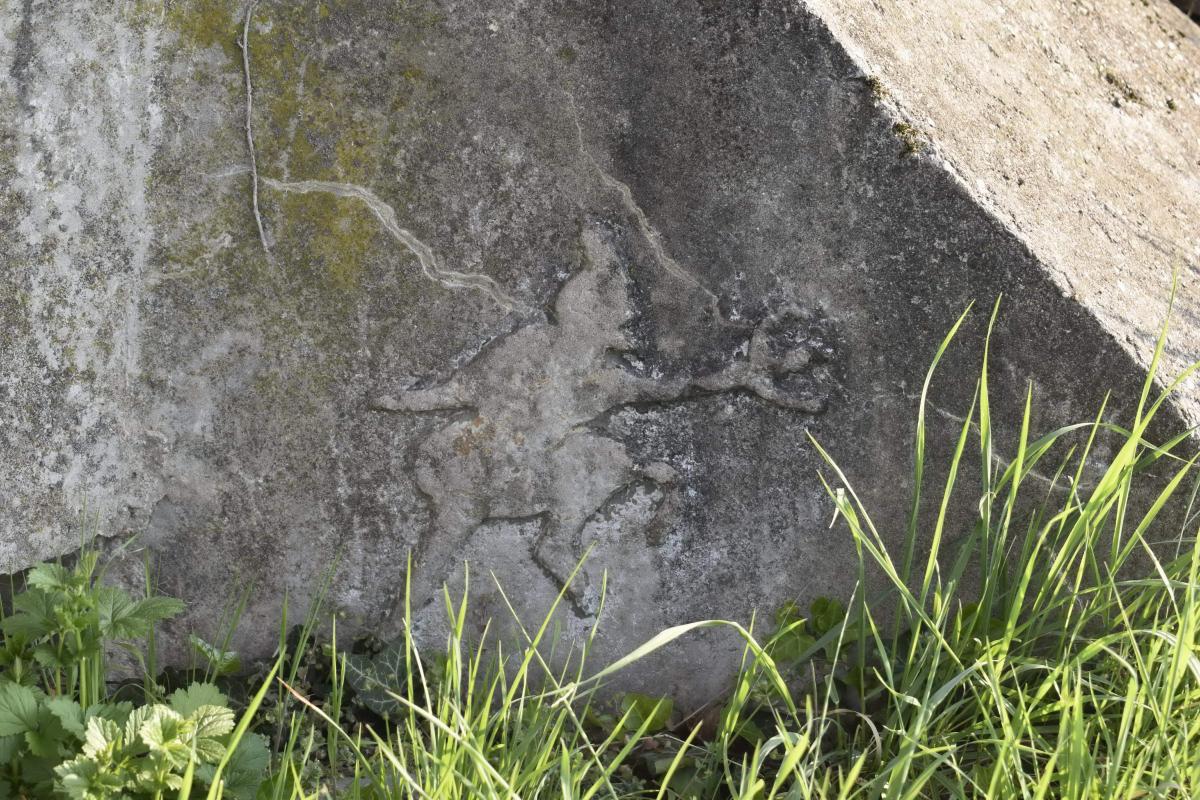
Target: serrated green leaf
[(209, 751), (124, 618), (157, 608), (47, 737), (18, 709), (47, 656), (49, 577), (158, 727), (186, 701), (211, 721), (137, 718), (247, 768), (79, 779), (32, 615), (69, 714), (101, 738)]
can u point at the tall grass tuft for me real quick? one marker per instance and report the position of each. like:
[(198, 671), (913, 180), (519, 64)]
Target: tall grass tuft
[(1051, 649)]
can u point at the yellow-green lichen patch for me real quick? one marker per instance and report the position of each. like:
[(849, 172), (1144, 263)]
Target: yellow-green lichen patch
[(207, 23), (910, 137), (323, 111)]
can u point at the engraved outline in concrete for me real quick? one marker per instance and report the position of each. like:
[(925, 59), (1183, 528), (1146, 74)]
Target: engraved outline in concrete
[(524, 441)]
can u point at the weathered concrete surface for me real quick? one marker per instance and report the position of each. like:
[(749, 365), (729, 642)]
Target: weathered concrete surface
[(1075, 124), (538, 276)]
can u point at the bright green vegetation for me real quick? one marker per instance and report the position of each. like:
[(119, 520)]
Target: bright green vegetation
[(1052, 651)]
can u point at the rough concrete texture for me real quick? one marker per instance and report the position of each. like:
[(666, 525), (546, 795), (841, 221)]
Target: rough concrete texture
[(538, 276)]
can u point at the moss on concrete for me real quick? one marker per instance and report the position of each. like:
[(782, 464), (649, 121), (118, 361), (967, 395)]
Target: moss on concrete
[(315, 119)]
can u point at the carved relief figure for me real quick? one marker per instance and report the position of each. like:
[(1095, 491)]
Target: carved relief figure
[(527, 450)]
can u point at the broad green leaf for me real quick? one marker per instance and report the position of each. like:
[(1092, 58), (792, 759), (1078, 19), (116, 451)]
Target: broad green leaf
[(50, 577), (653, 712), (46, 738), (69, 714), (211, 721), (9, 747), (18, 709), (101, 738), (247, 768), (186, 701)]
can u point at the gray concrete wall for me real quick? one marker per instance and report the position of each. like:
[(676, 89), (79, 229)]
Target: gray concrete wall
[(531, 277)]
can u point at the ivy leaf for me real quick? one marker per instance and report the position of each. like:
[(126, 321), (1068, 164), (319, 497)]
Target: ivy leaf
[(375, 679), (792, 645), (825, 614), (18, 709), (786, 614), (186, 701)]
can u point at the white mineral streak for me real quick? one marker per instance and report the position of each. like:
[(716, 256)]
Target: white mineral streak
[(649, 232), (451, 279)]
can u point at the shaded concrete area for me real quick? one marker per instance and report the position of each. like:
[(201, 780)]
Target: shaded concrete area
[(535, 277)]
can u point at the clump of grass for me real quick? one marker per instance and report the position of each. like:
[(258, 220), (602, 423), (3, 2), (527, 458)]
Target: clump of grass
[(1059, 668)]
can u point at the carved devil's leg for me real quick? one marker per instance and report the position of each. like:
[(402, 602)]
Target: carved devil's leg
[(456, 482), (446, 397)]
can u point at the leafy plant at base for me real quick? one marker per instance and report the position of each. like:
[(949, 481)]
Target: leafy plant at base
[(60, 734)]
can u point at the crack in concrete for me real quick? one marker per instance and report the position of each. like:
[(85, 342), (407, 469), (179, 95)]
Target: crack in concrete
[(451, 279), (244, 44), (645, 227)]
